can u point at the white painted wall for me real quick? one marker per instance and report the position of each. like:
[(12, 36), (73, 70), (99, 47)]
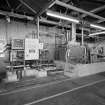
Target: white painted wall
[(21, 30), (17, 29)]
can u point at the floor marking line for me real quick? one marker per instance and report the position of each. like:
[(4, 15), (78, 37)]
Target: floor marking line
[(36, 86), (62, 93)]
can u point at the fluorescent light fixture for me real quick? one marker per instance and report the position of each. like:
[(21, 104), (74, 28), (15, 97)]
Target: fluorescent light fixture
[(96, 26), (61, 16), (97, 33), (30, 18)]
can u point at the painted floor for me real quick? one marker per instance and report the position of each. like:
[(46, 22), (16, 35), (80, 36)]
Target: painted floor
[(27, 81), (81, 91)]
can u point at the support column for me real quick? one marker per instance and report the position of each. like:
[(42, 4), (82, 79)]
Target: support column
[(38, 27), (68, 35), (82, 38), (73, 38)]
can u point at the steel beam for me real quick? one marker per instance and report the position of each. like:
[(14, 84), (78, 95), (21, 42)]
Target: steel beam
[(11, 14), (18, 6), (79, 10), (29, 7), (49, 5), (8, 4), (95, 10), (99, 21), (38, 27), (43, 20)]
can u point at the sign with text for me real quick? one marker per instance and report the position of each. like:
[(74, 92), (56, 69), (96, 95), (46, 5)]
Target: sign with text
[(31, 49), (2, 47), (17, 43)]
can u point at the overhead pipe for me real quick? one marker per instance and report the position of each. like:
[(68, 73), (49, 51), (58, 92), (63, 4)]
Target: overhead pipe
[(98, 9), (79, 10), (11, 14), (95, 10), (43, 20)]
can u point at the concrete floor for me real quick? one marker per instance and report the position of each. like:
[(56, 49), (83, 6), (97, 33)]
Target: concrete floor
[(29, 81), (82, 91)]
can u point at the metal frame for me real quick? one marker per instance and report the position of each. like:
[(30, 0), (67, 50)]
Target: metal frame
[(95, 10), (53, 2), (44, 20), (11, 14), (79, 10), (49, 5), (18, 6), (28, 6), (8, 3)]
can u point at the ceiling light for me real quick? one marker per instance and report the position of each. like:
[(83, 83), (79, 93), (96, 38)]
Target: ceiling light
[(61, 16), (96, 26), (97, 33)]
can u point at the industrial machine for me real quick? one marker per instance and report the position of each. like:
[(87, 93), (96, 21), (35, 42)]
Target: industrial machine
[(76, 54)]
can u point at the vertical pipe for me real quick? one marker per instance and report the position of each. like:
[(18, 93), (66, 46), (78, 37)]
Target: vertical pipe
[(38, 27), (73, 32), (6, 30), (38, 32), (82, 36), (24, 56)]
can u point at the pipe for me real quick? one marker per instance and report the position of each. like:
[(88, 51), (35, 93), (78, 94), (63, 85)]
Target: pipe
[(79, 10), (95, 10), (11, 14), (82, 36), (38, 27)]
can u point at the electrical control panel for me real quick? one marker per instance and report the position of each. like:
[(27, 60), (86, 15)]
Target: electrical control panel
[(17, 44)]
